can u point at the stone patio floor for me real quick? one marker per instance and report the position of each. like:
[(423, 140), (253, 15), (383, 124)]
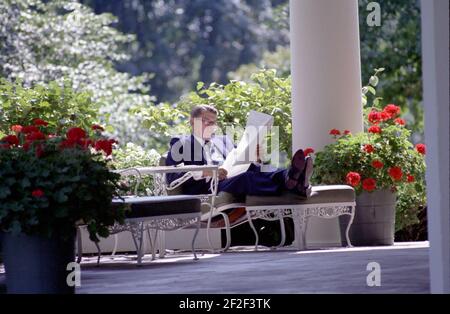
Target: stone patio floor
[(404, 269)]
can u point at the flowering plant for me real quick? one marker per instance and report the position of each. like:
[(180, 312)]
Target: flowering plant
[(381, 158), (50, 182)]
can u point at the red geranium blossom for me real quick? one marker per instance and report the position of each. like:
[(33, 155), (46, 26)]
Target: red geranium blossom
[(369, 148), (308, 151), (76, 134), (392, 110), (369, 184), (396, 173), (400, 121), (11, 140), (40, 122), (16, 128), (37, 193), (35, 136), (377, 164), (374, 117), (335, 132), (353, 179), (105, 146), (384, 116), (421, 148), (410, 178), (97, 127), (347, 132), (69, 143), (375, 129), (30, 129)]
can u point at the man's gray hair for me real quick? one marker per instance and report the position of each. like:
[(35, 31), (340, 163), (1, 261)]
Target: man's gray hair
[(198, 110)]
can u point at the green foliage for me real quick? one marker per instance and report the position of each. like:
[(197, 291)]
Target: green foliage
[(267, 93), (396, 45), (60, 106), (44, 41), (411, 199), (132, 156), (50, 185), (397, 41), (185, 41), (280, 60)]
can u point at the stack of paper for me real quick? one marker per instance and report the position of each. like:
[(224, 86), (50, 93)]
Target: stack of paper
[(240, 158)]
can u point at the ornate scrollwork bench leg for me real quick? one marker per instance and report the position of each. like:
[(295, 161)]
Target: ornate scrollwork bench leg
[(301, 215)]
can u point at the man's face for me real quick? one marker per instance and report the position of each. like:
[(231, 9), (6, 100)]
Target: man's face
[(205, 125)]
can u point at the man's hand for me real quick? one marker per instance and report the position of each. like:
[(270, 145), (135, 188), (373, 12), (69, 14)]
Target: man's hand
[(222, 173)]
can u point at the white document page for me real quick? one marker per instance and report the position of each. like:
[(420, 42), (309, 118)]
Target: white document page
[(239, 159)]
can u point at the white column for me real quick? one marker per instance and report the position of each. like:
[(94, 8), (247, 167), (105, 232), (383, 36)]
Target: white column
[(326, 70), (435, 40), (326, 82)]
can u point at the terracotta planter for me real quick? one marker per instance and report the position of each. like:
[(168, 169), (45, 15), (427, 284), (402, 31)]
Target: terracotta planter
[(35, 264), (374, 222)]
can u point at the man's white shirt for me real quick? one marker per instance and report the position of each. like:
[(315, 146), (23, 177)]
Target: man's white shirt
[(207, 148)]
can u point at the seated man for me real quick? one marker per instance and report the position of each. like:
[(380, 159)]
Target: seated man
[(202, 147)]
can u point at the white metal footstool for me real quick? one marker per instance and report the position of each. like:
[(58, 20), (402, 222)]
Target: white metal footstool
[(327, 201)]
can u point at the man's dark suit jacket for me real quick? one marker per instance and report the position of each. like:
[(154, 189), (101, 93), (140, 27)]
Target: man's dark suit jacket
[(186, 149)]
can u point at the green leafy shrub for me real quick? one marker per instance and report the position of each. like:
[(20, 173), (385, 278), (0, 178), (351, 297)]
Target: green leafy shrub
[(45, 41), (57, 104), (267, 93), (132, 156)]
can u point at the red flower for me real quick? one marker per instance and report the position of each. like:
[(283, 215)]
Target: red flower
[(97, 127), (11, 140), (35, 136), (105, 146), (400, 121), (375, 129), (395, 173), (335, 132), (377, 164), (37, 193), (30, 129), (353, 179), (4, 146), (374, 117), (384, 116), (67, 144), (76, 134), (410, 178), (16, 128), (392, 110), (40, 122), (369, 148), (369, 184), (308, 151), (421, 148), (347, 132)]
